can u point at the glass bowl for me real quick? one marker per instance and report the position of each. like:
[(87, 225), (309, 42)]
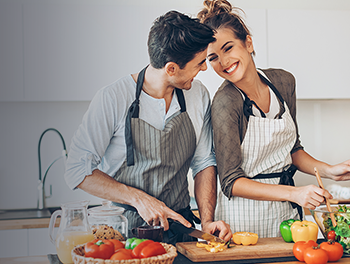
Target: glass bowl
[(323, 219)]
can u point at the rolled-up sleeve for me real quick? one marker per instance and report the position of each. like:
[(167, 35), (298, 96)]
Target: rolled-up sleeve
[(226, 118), (204, 155), (91, 140)]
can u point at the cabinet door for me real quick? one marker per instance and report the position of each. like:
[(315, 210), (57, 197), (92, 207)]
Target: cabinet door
[(9, 238), (11, 52), (73, 49), (39, 242), (314, 46)]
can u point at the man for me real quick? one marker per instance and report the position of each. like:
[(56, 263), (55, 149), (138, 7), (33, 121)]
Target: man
[(141, 134)]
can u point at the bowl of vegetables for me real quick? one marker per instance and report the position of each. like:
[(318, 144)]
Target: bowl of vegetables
[(340, 232)]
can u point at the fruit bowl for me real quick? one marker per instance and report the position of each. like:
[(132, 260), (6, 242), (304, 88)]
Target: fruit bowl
[(78, 256), (342, 216)]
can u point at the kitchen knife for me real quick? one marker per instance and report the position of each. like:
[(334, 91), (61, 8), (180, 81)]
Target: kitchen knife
[(178, 227)]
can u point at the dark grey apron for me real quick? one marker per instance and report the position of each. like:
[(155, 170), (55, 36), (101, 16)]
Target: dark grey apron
[(158, 161)]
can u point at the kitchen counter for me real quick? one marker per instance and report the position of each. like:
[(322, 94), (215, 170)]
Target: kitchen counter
[(26, 223), (44, 260)]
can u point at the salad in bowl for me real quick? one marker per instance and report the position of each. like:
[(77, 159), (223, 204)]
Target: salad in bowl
[(339, 233)]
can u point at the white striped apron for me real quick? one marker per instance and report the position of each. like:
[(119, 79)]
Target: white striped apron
[(265, 149)]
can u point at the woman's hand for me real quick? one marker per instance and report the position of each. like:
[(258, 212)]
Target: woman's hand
[(339, 172), (309, 196)]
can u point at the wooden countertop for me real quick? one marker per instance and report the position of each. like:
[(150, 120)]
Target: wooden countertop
[(26, 223), (45, 260)]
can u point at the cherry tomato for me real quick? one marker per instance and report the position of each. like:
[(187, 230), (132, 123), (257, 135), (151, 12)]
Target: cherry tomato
[(331, 235), (152, 249), (121, 254), (314, 255), (137, 250), (300, 246), (334, 250), (117, 244)]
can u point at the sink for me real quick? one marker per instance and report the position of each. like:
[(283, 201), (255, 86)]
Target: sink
[(31, 213), (12, 214)]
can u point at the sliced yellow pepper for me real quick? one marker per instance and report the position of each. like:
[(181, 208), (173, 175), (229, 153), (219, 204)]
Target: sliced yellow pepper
[(304, 231), (212, 246), (245, 238)]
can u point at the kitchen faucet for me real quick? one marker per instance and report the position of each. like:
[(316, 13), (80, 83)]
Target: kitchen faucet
[(41, 182)]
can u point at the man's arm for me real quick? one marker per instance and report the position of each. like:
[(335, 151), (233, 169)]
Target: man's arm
[(149, 208), (205, 187)]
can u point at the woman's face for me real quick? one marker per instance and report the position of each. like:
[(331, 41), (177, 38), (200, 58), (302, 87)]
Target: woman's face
[(230, 57)]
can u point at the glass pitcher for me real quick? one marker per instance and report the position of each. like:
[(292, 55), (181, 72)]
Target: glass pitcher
[(73, 230)]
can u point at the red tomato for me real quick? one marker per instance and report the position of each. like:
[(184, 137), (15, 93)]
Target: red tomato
[(315, 256), (102, 249), (117, 244), (300, 246), (331, 235), (334, 250), (121, 254), (137, 250), (153, 249)]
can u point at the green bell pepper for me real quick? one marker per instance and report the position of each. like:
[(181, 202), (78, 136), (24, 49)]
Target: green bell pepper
[(285, 230)]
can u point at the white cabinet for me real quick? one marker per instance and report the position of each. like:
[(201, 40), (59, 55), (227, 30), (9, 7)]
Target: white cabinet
[(73, 49), (13, 243), (314, 46), (11, 52), (39, 242), (29, 242)]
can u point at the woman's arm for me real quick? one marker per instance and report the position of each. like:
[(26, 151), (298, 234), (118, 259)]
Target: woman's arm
[(309, 196), (306, 163)]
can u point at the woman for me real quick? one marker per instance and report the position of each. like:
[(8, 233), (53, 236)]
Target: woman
[(255, 134)]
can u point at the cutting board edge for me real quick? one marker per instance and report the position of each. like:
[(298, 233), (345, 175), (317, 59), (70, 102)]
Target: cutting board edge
[(191, 252)]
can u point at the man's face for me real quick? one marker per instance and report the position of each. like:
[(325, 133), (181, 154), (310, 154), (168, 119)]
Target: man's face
[(184, 77)]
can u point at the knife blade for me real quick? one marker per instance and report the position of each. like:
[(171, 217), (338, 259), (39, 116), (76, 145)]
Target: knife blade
[(193, 232)]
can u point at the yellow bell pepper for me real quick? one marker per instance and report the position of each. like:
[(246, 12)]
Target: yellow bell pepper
[(213, 246), (245, 238), (304, 231)]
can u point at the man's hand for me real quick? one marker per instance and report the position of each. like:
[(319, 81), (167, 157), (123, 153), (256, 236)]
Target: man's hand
[(155, 212), (220, 227)]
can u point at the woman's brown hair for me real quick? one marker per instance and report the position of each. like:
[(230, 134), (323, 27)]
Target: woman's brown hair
[(220, 14)]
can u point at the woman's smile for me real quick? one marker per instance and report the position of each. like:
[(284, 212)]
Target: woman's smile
[(232, 68)]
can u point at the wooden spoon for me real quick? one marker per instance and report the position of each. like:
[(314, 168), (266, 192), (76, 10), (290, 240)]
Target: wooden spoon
[(327, 201)]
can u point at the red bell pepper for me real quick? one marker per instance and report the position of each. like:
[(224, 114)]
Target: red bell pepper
[(102, 249)]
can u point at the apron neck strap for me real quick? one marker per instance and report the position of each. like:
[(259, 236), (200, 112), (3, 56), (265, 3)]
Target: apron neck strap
[(277, 93), (133, 112), (248, 104), (181, 99)]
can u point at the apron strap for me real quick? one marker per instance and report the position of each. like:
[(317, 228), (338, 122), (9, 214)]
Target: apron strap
[(247, 105), (181, 98), (286, 178), (133, 111)]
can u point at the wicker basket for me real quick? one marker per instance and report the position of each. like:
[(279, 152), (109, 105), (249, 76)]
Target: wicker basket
[(167, 258)]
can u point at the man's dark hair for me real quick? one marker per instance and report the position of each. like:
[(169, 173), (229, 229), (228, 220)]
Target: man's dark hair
[(175, 37)]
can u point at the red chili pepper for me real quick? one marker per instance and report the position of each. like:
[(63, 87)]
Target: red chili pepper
[(153, 249), (137, 250)]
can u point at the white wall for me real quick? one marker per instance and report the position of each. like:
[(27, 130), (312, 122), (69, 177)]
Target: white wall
[(324, 124)]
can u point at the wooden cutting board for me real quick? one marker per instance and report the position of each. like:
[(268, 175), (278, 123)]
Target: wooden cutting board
[(272, 247)]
